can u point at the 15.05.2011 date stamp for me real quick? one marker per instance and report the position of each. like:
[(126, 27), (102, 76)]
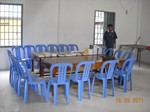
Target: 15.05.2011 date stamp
[(129, 100)]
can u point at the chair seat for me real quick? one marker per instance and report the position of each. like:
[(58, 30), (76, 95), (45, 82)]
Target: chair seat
[(118, 72), (40, 79), (55, 80), (25, 59), (60, 79), (75, 80), (105, 75), (100, 77)]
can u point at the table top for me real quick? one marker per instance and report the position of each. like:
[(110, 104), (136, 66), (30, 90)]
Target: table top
[(77, 59), (56, 54), (99, 59), (134, 46)]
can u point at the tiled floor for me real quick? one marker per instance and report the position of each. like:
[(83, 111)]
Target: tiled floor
[(9, 102)]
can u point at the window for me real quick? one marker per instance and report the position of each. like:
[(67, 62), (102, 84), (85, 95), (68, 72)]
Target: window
[(102, 19), (10, 24)]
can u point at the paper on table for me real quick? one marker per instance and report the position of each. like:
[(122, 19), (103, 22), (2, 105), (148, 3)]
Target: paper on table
[(68, 55), (46, 54), (54, 54), (61, 55)]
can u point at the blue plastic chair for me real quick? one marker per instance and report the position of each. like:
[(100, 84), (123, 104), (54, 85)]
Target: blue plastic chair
[(63, 47), (125, 73), (15, 74), (11, 70), (109, 52), (19, 76), (73, 47), (117, 53), (29, 80), (103, 50), (106, 75), (18, 52), (83, 77), (28, 49), (41, 48), (52, 48), (60, 79), (127, 55)]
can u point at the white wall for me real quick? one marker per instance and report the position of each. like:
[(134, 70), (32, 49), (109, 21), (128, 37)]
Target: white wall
[(76, 21), (145, 28)]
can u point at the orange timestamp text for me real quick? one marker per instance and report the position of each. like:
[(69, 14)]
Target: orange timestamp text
[(129, 100)]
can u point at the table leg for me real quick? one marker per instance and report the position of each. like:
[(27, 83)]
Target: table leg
[(32, 65), (137, 55), (140, 50), (120, 47), (52, 90), (40, 67)]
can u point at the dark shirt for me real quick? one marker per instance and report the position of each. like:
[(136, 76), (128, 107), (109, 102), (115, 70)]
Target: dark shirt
[(110, 39)]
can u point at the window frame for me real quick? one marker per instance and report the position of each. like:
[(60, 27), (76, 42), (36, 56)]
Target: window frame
[(21, 23), (105, 25)]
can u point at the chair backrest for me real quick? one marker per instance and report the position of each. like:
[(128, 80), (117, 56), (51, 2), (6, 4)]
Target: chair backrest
[(117, 53), (109, 72), (62, 71), (10, 60), (109, 51), (63, 47), (28, 49), (73, 47), (41, 48), (127, 66), (87, 68), (103, 49), (18, 52), (12, 49), (16, 66), (23, 70), (52, 48), (127, 55), (9, 54)]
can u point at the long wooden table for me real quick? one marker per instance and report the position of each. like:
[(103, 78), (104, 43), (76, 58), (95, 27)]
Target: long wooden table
[(48, 60)]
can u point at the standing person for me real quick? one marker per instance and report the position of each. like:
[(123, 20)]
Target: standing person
[(109, 39)]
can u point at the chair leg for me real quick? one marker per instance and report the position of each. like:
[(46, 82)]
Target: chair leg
[(67, 92), (25, 92), (41, 90), (37, 90), (15, 82), (48, 89), (79, 90), (44, 92), (82, 88), (89, 89), (112, 86), (120, 80), (11, 76), (33, 87), (93, 84), (125, 83), (18, 86), (55, 93), (130, 82), (104, 87)]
